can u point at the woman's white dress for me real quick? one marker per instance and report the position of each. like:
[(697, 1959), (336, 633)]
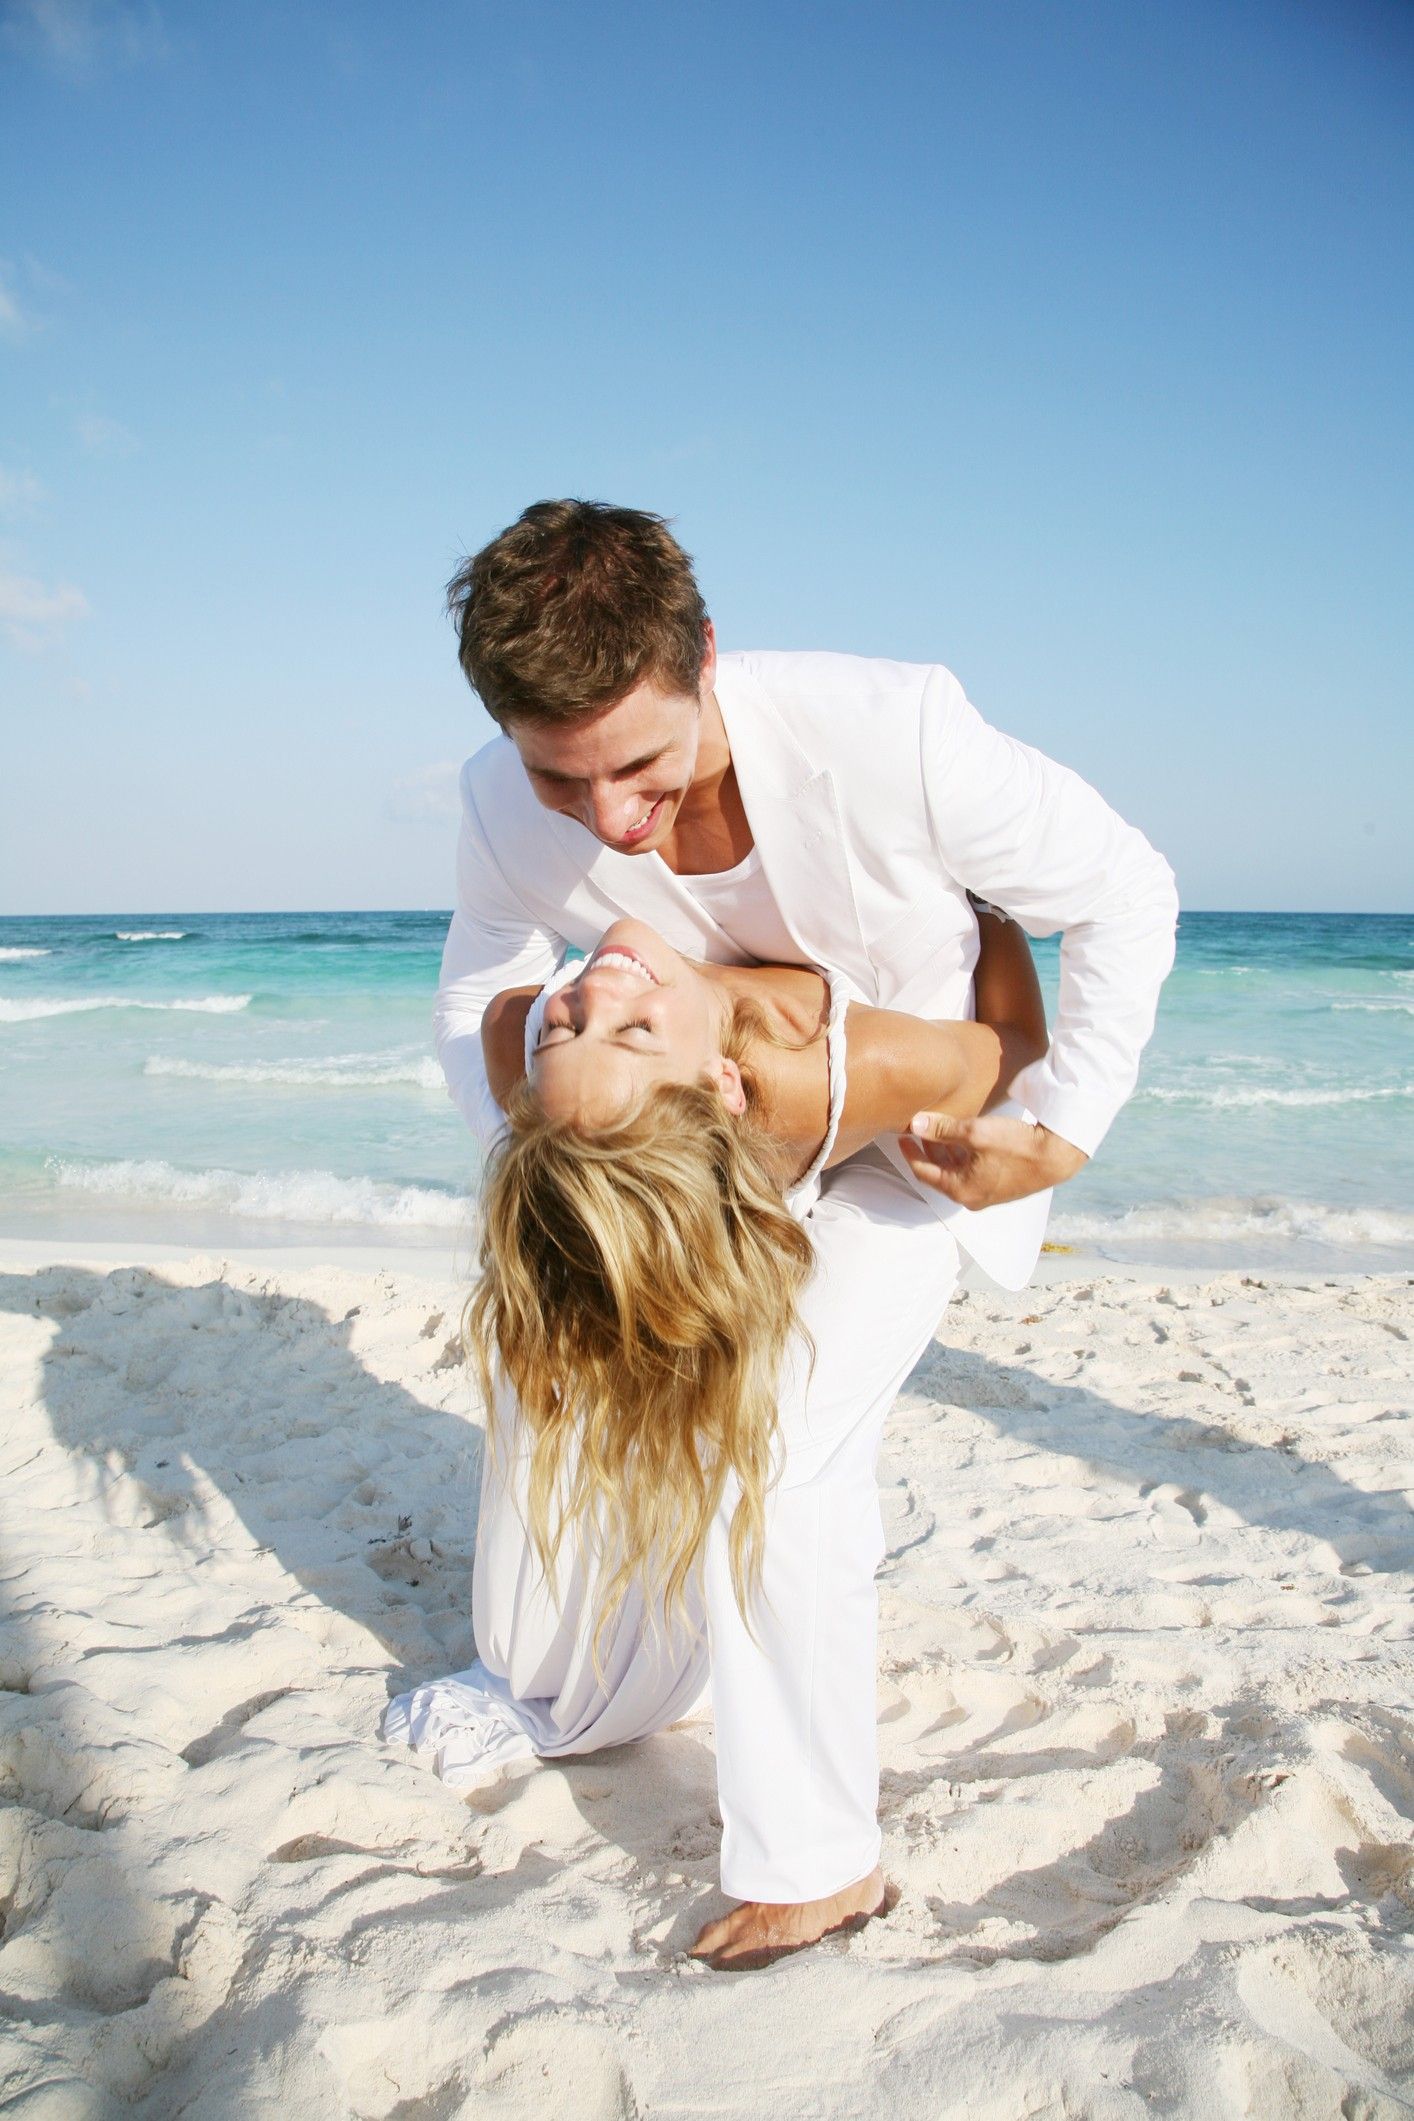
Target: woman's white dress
[(794, 1708)]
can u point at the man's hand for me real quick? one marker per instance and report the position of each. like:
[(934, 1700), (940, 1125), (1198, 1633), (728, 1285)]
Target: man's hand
[(978, 1162), (760, 1931)]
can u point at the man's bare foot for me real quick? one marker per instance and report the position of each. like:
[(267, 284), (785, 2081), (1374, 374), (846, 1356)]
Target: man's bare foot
[(760, 1931)]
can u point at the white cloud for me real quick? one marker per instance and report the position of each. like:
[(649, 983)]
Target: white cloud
[(32, 613), (20, 491), (15, 322), (19, 320), (431, 792), (103, 437), (44, 276), (78, 34)]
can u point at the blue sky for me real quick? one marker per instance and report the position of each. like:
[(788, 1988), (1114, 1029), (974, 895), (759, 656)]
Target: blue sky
[(1064, 343)]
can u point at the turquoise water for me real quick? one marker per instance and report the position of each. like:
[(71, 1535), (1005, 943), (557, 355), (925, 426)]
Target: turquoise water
[(269, 1078)]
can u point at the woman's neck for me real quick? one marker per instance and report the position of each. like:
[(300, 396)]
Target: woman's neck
[(789, 1060), (793, 999)]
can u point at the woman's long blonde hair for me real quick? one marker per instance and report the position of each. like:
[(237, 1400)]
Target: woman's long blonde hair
[(638, 1287)]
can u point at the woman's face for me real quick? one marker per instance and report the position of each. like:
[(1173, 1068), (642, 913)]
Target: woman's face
[(639, 1013)]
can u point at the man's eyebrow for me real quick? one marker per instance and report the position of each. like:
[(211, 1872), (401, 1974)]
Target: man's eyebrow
[(548, 773), (637, 765)]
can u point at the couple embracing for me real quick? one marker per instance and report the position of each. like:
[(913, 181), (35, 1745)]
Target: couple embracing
[(736, 1001)]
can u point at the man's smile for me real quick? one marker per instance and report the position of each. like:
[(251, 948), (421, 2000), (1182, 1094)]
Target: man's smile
[(644, 826)]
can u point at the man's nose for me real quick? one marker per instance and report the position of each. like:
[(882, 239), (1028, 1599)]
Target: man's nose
[(611, 811)]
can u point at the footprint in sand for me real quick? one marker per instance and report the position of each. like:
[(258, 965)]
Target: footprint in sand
[(1176, 1514), (1321, 1995), (908, 1521), (130, 1971), (1114, 1823), (975, 1725), (548, 2063)]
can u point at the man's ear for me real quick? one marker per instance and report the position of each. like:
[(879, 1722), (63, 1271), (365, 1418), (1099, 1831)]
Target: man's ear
[(727, 1077), (709, 660)]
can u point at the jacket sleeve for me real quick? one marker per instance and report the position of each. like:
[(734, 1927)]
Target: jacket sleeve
[(1016, 828), (494, 941)]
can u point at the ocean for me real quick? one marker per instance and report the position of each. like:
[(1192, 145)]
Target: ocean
[(262, 1079)]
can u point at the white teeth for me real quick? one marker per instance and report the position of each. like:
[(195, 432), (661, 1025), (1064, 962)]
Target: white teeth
[(624, 961)]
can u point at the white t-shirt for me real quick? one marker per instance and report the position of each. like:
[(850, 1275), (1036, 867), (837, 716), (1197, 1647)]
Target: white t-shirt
[(744, 907)]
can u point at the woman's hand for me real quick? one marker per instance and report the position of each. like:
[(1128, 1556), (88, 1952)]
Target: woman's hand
[(979, 1162)]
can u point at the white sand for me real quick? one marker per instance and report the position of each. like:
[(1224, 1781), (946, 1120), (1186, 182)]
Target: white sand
[(1145, 1687)]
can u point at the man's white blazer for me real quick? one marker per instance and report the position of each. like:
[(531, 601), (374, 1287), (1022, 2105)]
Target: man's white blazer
[(878, 797)]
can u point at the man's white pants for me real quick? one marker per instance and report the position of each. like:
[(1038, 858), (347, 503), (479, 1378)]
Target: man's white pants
[(796, 1737)]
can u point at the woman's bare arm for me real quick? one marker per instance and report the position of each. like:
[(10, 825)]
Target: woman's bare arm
[(1008, 995), (503, 1039), (899, 1065)]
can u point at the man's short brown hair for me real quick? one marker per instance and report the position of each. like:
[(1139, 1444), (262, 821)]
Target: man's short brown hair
[(576, 603)]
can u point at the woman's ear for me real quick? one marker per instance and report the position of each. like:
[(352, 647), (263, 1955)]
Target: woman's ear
[(727, 1077)]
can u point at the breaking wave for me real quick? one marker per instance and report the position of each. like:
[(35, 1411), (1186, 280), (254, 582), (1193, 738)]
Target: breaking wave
[(1264, 1094), (13, 1012), (267, 1196), (340, 1071), (1234, 1220), (150, 935), (12, 953)]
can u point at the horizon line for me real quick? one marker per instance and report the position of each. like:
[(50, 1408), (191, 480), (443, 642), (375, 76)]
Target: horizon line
[(1375, 913)]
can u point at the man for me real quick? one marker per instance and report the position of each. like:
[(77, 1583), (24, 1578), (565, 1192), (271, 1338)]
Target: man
[(793, 809)]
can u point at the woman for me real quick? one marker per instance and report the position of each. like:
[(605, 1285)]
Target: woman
[(646, 1234), (638, 1013)]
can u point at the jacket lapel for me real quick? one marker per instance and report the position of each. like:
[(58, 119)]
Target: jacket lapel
[(795, 821)]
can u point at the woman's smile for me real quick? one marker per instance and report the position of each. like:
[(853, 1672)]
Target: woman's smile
[(613, 957)]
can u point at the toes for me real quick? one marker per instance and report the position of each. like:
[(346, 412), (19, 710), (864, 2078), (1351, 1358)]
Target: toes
[(752, 1957)]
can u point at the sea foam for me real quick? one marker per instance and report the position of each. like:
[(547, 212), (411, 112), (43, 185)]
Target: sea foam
[(339, 1071), (11, 955), (1228, 1221), (13, 1012), (150, 935), (267, 1196), (1266, 1094)]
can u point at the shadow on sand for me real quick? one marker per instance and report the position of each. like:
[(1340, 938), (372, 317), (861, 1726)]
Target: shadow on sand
[(220, 1415)]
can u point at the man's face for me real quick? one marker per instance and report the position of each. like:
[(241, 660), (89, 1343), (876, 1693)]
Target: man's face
[(624, 773)]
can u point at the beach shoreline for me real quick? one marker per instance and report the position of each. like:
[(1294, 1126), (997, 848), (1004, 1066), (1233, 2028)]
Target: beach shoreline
[(444, 1263), (1144, 1674)]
